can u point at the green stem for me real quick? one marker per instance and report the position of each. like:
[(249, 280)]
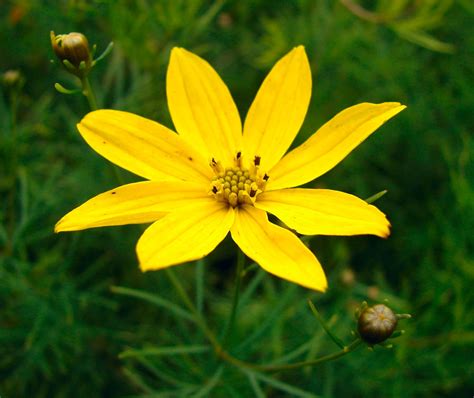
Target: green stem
[(235, 301), (88, 93), (276, 368), (224, 355), (326, 328)]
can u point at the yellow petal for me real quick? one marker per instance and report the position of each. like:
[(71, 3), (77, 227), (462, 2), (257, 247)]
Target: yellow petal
[(184, 235), (324, 212), (330, 144), (276, 249), (143, 146), (202, 108), (279, 109), (136, 203)]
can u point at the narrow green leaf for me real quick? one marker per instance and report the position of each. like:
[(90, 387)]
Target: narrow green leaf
[(164, 375), (104, 54), (210, 384), (425, 40), (279, 385), (162, 351), (255, 386), (375, 197), (154, 299), (301, 349), (252, 286), (63, 90), (137, 380), (270, 318)]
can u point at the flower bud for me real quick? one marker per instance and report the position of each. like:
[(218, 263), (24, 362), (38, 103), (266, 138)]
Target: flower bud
[(72, 49), (376, 324), (12, 78)]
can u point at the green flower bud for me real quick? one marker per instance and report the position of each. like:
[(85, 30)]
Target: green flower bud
[(72, 50), (376, 324)]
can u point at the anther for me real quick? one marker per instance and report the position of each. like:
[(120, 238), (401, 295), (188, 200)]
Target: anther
[(216, 167), (237, 186), (256, 160)]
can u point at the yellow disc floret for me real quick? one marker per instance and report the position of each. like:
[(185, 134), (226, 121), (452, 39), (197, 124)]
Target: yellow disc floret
[(237, 185)]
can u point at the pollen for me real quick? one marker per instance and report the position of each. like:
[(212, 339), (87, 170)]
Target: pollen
[(237, 186)]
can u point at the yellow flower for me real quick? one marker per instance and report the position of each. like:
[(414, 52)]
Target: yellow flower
[(212, 178)]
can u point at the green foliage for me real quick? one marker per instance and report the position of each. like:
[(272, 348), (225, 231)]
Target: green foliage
[(77, 317), (410, 19)]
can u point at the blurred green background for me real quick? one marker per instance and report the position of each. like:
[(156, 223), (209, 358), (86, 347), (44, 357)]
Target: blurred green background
[(78, 318)]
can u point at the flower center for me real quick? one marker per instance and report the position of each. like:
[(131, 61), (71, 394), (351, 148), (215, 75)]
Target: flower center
[(237, 185)]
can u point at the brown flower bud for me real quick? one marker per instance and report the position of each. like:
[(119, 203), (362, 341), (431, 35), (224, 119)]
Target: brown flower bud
[(376, 324), (72, 49)]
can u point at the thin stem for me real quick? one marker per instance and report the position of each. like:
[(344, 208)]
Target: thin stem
[(235, 301), (88, 93), (318, 316), (225, 356), (276, 368)]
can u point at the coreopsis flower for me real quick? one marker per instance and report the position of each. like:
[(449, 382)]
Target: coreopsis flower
[(214, 176)]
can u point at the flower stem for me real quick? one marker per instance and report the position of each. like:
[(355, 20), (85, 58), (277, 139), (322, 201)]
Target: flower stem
[(88, 93), (276, 368), (326, 328), (235, 301), (218, 347)]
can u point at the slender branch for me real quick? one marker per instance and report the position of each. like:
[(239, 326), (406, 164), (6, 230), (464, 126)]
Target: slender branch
[(326, 328), (225, 356), (276, 368)]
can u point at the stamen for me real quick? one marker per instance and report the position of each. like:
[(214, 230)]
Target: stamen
[(216, 166), (238, 159), (237, 185)]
